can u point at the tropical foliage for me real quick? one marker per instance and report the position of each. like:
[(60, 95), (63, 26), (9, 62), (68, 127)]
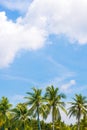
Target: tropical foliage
[(54, 103), (32, 114), (35, 102), (78, 108), (21, 116)]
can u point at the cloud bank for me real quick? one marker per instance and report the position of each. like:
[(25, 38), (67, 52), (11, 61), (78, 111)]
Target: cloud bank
[(43, 17)]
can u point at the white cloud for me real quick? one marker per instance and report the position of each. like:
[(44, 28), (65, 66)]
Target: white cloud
[(60, 17), (44, 17), (14, 37), (68, 86)]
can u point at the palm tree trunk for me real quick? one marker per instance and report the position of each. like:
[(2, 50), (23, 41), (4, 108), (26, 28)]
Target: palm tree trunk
[(78, 124), (38, 119), (53, 117), (79, 119), (23, 126)]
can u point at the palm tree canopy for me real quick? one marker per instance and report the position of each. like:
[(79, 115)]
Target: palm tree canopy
[(34, 100), (4, 105), (53, 98), (78, 106), (20, 112), (20, 116), (4, 109)]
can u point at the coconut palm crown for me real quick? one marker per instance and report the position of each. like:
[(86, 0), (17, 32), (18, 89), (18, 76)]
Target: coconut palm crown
[(54, 103), (35, 102), (78, 107)]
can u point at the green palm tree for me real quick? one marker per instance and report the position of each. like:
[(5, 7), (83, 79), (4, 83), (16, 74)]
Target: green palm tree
[(78, 108), (10, 122), (4, 108), (35, 102), (54, 103), (21, 116)]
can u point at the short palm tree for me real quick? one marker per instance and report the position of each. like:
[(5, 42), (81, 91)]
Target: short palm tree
[(53, 99), (35, 103), (10, 122), (78, 107), (21, 117), (4, 108)]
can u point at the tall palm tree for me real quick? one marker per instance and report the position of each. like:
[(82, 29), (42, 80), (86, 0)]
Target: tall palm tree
[(35, 103), (21, 116), (53, 98), (78, 107), (4, 108)]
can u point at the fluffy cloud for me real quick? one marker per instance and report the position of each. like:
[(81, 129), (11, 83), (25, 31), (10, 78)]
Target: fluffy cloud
[(61, 17), (67, 87), (43, 17), (15, 36)]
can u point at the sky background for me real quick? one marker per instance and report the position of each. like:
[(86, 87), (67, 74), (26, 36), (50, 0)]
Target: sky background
[(43, 42)]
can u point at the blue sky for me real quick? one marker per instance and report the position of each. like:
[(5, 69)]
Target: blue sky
[(43, 43)]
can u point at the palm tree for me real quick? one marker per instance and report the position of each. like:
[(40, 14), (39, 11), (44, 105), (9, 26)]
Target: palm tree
[(35, 102), (78, 107), (53, 98), (21, 117), (10, 122), (4, 108)]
